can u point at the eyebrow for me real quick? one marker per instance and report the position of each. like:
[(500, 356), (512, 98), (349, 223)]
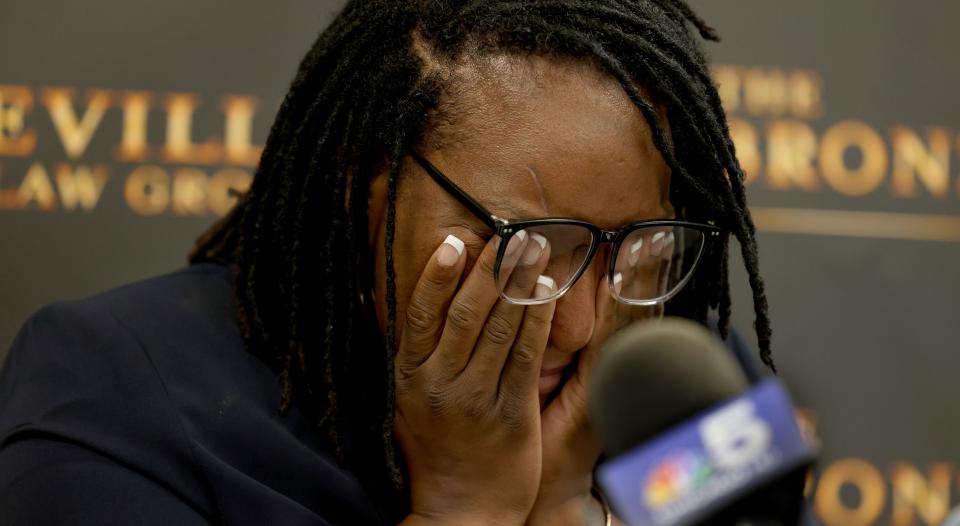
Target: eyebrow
[(515, 213), (481, 210), (510, 209)]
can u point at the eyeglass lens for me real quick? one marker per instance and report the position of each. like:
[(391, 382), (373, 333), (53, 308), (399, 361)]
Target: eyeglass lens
[(541, 262)]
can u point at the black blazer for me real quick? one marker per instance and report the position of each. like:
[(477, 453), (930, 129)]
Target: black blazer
[(142, 406)]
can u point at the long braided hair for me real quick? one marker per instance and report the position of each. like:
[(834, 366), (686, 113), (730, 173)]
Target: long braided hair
[(368, 90)]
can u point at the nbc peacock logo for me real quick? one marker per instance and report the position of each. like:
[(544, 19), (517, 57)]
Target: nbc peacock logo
[(675, 476)]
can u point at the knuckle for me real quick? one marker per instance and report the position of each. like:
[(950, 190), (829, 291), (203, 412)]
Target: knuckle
[(475, 402), (463, 315), (511, 413), (539, 316), (486, 262), (421, 317), (578, 400), (581, 393), (499, 330), (434, 282), (524, 354), (439, 399), (406, 373)]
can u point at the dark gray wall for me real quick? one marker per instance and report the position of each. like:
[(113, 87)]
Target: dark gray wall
[(208, 49), (865, 327)]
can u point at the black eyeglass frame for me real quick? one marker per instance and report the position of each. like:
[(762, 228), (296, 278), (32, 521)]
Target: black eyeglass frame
[(506, 228)]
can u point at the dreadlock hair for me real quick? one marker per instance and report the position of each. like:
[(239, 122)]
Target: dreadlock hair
[(368, 90)]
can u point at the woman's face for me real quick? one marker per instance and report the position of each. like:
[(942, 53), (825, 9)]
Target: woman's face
[(541, 138)]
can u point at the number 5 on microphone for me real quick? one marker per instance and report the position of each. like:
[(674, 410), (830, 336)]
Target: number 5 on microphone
[(734, 436)]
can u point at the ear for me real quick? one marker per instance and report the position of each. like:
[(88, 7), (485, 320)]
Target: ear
[(376, 207)]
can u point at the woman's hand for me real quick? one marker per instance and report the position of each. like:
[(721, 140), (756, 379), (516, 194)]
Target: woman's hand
[(570, 447), (467, 369)]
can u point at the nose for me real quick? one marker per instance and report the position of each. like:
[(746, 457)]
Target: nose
[(575, 315)]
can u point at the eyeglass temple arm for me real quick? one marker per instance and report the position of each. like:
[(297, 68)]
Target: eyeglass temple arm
[(454, 190)]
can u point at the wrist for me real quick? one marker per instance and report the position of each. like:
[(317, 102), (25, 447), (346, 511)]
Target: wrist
[(584, 510), (575, 511), (565, 501), (415, 519), (461, 518)]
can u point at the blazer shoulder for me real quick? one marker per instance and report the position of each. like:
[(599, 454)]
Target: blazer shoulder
[(80, 330), (90, 372)]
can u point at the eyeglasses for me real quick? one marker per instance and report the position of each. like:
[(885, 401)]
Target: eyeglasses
[(539, 260)]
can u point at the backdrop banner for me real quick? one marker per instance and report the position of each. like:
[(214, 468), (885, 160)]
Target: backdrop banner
[(124, 128)]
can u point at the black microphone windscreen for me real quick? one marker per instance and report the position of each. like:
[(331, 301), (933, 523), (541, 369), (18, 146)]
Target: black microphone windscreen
[(656, 374)]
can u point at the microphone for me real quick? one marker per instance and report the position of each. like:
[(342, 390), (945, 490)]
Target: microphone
[(687, 439)]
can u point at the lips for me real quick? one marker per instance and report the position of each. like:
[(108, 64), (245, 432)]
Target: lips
[(550, 378), (553, 370)]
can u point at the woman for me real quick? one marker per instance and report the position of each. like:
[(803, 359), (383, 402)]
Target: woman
[(457, 203)]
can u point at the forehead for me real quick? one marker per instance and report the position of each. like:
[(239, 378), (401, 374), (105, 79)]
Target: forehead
[(541, 137)]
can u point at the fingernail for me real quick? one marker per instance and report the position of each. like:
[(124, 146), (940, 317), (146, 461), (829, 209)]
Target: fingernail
[(617, 282), (545, 286), (450, 251), (516, 242), (542, 241), (634, 255), (532, 254), (656, 247)]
